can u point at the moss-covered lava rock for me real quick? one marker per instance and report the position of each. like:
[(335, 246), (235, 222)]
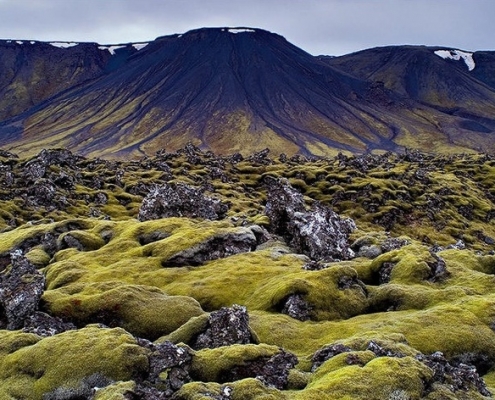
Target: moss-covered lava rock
[(190, 307)]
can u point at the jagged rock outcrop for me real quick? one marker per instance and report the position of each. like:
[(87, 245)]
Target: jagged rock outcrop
[(273, 371), (318, 232), (21, 287), (460, 377), (180, 200), (225, 327), (438, 268), (454, 376), (169, 367), (86, 390), (297, 307), (326, 353), (46, 325)]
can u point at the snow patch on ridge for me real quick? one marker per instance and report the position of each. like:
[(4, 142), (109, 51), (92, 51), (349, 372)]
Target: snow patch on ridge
[(64, 45), (239, 30), (139, 46), (457, 55), (111, 49)]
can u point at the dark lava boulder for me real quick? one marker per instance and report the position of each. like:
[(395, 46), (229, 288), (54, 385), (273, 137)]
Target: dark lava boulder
[(225, 327), (180, 200), (168, 370), (319, 232), (272, 371), (460, 377), (296, 307), (45, 325), (221, 245), (326, 353), (21, 287)]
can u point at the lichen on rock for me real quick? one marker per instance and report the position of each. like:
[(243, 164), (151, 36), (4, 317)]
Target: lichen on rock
[(225, 327), (319, 232), (21, 287), (180, 200)]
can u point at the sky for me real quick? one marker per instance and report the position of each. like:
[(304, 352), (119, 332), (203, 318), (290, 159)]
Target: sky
[(332, 27)]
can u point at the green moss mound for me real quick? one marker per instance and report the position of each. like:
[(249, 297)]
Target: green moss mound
[(62, 361), (144, 311)]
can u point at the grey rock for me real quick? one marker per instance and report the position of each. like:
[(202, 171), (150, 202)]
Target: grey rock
[(45, 325), (297, 307), (438, 268), (385, 272), (260, 158), (460, 377), (175, 360), (381, 351), (319, 232), (371, 252), (168, 371), (326, 353), (86, 390), (272, 371), (144, 392), (21, 287), (393, 244), (180, 200), (225, 327), (100, 198)]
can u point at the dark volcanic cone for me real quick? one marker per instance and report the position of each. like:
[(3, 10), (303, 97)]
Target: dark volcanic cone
[(224, 89)]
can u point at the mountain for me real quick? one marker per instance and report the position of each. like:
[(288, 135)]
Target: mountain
[(454, 82), (33, 71), (241, 90)]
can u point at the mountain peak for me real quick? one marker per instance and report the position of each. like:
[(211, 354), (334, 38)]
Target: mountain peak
[(227, 29), (225, 32)]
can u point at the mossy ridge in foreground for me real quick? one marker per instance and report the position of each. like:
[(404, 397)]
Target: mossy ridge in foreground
[(118, 271)]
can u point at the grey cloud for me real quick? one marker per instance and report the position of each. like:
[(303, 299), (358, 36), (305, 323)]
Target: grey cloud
[(319, 27)]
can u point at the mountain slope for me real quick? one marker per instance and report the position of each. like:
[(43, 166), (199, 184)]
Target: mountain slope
[(242, 90), (33, 71), (457, 83), (220, 89)]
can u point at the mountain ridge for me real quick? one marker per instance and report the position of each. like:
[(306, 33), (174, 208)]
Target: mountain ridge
[(243, 89)]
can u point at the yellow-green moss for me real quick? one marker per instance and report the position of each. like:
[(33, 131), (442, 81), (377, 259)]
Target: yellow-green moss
[(115, 272), (245, 389), (38, 257), (208, 365), (144, 311), (411, 264), (85, 241), (115, 391), (379, 379), (65, 359), (447, 328)]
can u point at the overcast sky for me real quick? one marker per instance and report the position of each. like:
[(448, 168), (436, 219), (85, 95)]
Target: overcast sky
[(332, 27)]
